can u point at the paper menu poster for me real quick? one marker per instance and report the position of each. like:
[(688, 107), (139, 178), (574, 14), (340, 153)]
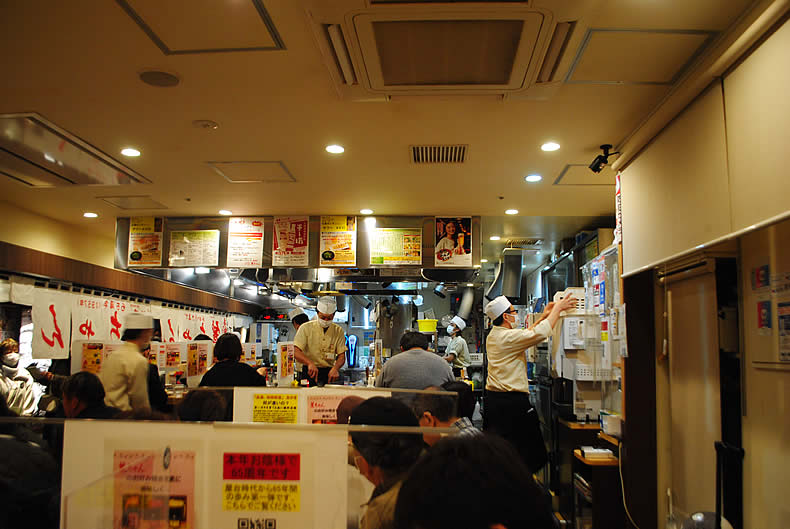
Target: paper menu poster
[(291, 241), (145, 242), (453, 242), (154, 489), (205, 349), (322, 409), (338, 242), (192, 359), (285, 363), (173, 351), (783, 328), (275, 408), (92, 357), (194, 248), (245, 242), (396, 246)]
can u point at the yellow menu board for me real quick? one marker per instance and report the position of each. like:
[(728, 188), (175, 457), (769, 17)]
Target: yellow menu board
[(279, 408), (338, 245)]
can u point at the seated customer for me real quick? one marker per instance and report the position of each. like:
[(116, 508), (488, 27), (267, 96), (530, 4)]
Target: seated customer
[(202, 405), (83, 398), (384, 458), (414, 367), (227, 370), (16, 384), (498, 490), (439, 411)]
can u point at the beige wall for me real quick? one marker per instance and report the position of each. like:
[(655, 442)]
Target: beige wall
[(675, 194), (766, 428), (721, 167), (758, 117), (23, 228)]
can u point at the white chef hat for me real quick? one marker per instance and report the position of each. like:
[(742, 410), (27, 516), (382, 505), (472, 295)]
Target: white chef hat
[(496, 308), (294, 313), (458, 322), (136, 320), (327, 305)]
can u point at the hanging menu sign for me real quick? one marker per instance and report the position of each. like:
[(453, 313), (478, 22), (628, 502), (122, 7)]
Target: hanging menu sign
[(338, 241), (396, 246), (245, 242), (145, 241), (194, 248), (290, 244)]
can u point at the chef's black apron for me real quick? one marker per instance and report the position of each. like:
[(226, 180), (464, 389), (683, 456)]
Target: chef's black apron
[(511, 416)]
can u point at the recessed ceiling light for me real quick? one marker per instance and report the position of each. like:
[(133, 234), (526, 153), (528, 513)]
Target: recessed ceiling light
[(550, 146), (366, 211), (470, 284), (202, 270), (476, 266), (225, 212), (495, 237), (238, 282), (90, 215), (483, 260), (511, 212), (335, 149), (533, 178), (129, 151)]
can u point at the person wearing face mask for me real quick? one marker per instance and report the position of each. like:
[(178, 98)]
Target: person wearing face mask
[(320, 345), (457, 352), (124, 374), (16, 384), (508, 412)]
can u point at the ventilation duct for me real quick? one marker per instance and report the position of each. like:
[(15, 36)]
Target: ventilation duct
[(508, 276), (467, 302)]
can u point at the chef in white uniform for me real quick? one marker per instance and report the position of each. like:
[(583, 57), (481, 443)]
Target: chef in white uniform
[(320, 345), (508, 411), (457, 351)]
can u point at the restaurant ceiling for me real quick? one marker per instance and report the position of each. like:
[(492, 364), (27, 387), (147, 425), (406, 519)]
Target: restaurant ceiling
[(255, 68)]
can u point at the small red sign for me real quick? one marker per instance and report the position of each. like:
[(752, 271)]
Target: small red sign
[(269, 467)]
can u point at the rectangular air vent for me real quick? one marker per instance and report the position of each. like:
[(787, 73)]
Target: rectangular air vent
[(424, 154), (524, 243), (134, 202), (38, 153)]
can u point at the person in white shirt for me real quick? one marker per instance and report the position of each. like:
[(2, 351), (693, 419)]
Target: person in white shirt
[(124, 374), (16, 383), (507, 410), (320, 345), (457, 352)]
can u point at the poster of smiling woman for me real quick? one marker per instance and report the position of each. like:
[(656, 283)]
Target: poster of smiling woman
[(453, 242)]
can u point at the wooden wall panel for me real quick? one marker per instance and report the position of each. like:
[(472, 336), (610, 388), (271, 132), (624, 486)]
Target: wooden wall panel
[(21, 260)]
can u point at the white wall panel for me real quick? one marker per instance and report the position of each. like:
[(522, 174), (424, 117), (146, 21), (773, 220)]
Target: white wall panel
[(675, 194), (758, 112)]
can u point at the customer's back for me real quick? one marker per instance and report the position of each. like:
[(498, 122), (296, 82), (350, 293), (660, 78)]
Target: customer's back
[(414, 367)]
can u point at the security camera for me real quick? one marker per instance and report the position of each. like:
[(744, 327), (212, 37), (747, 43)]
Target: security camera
[(602, 160)]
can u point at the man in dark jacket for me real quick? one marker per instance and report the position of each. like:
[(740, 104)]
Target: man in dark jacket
[(83, 398)]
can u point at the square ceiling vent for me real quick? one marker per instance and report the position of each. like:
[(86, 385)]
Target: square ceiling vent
[(253, 172), (431, 48)]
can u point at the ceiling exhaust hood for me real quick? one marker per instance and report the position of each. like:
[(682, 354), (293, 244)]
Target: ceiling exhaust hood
[(40, 154)]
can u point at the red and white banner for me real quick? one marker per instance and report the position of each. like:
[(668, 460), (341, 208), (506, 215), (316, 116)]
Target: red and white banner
[(169, 320), (51, 323), (88, 319), (188, 325)]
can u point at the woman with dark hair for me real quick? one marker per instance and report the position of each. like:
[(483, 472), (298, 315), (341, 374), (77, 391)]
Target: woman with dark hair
[(452, 244), (227, 371)]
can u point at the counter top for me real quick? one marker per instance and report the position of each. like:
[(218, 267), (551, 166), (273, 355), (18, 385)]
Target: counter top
[(580, 426), (596, 462)]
